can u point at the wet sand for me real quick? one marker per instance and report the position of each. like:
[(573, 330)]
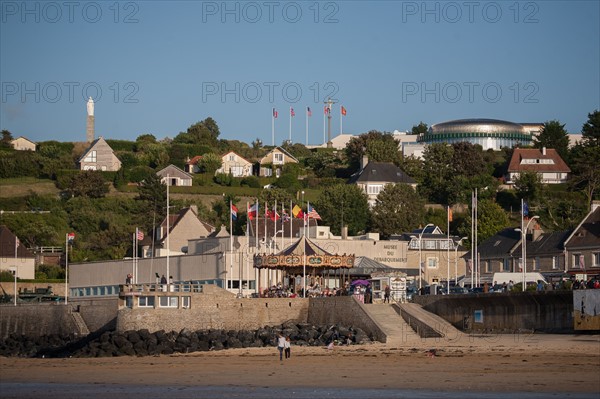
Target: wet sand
[(509, 363)]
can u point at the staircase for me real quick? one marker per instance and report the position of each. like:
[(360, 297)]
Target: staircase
[(397, 331), (427, 324), (82, 328)]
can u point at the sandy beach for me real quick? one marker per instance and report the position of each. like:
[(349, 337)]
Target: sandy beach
[(550, 364)]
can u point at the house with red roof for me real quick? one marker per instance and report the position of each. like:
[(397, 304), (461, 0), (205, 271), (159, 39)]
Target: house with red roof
[(546, 162)]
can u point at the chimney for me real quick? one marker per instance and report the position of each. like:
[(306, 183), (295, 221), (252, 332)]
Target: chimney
[(364, 161), (595, 205), (544, 151), (536, 232), (344, 232)]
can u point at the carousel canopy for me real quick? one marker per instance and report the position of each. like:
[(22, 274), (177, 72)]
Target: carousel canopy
[(292, 258)]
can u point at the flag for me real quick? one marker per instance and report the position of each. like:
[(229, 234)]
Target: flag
[(275, 114), (273, 215), (449, 214), (253, 211), (285, 217), (308, 111), (343, 111), (234, 212), (312, 213), (525, 209), (326, 110), (17, 242), (292, 113), (297, 212), (140, 235), (71, 237), (469, 264)]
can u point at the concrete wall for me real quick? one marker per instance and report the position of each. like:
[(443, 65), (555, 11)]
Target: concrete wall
[(550, 311), (345, 310), (99, 314)]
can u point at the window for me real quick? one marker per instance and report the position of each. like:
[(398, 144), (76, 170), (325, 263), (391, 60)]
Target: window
[(374, 189), (278, 158), (146, 302), (91, 157), (168, 301), (555, 262), (432, 263), (577, 261), (506, 265), (487, 266), (536, 263), (232, 157), (185, 302), (596, 259)]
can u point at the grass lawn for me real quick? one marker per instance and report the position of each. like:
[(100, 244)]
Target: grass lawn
[(20, 187)]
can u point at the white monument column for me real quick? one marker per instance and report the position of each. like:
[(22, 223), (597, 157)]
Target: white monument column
[(90, 133)]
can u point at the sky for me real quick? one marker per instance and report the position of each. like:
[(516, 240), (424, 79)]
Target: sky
[(158, 67)]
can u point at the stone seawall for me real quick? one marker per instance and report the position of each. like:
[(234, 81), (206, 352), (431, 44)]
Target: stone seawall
[(550, 311), (344, 310), (36, 320)]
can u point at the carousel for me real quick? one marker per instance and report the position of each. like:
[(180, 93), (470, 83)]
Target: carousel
[(301, 261)]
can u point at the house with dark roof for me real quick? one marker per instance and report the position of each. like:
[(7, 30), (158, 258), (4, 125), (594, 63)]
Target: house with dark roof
[(173, 176), (374, 176), (14, 256), (546, 162), (99, 156), (272, 163), (582, 247)]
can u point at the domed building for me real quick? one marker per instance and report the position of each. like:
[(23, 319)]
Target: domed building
[(488, 133)]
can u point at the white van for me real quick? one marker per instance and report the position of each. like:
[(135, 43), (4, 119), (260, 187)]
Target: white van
[(532, 277)]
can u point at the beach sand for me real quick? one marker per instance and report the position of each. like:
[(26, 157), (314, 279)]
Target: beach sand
[(501, 363)]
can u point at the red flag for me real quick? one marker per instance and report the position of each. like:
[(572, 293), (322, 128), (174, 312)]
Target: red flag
[(292, 113), (308, 111), (140, 235), (326, 110), (234, 212), (449, 214), (275, 114), (312, 213), (343, 111), (252, 211)]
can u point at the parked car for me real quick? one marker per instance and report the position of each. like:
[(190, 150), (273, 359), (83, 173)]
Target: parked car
[(458, 290)]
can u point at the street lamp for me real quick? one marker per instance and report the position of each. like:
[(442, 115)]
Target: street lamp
[(304, 253), (524, 249), (13, 270), (421, 254), (458, 244)]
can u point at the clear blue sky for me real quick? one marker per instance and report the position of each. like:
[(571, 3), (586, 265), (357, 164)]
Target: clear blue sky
[(162, 66)]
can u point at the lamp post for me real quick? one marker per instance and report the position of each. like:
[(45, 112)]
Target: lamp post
[(303, 253), (421, 254), (524, 249), (13, 270), (458, 243)]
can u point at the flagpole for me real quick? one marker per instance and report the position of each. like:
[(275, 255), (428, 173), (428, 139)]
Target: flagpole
[(290, 138), (133, 256), (15, 275), (135, 276), (168, 235), (341, 119), (306, 127), (256, 272), (523, 237), (247, 249), (273, 127), (66, 269), (472, 238), (230, 277), (448, 251), (477, 272), (324, 123)]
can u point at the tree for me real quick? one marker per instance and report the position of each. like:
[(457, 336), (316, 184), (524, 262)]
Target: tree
[(421, 128), (88, 183), (437, 172), (153, 192), (585, 173), (468, 160), (209, 163), (398, 208), (344, 204), (6, 138), (491, 219), (528, 186), (203, 133), (591, 129), (553, 135), (378, 146)]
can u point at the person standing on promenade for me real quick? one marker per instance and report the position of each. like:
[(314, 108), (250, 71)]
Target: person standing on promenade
[(280, 345), (386, 294), (287, 348)]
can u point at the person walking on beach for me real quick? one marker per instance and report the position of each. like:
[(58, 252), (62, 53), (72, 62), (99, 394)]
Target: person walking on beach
[(287, 348), (280, 345)]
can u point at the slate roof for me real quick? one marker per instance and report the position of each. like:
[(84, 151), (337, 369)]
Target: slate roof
[(587, 234), (7, 245), (500, 244), (384, 172), (546, 243), (174, 171)]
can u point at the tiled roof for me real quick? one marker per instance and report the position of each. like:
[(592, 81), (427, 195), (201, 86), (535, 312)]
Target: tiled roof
[(7, 245), (587, 233), (384, 172), (194, 161), (534, 153)]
